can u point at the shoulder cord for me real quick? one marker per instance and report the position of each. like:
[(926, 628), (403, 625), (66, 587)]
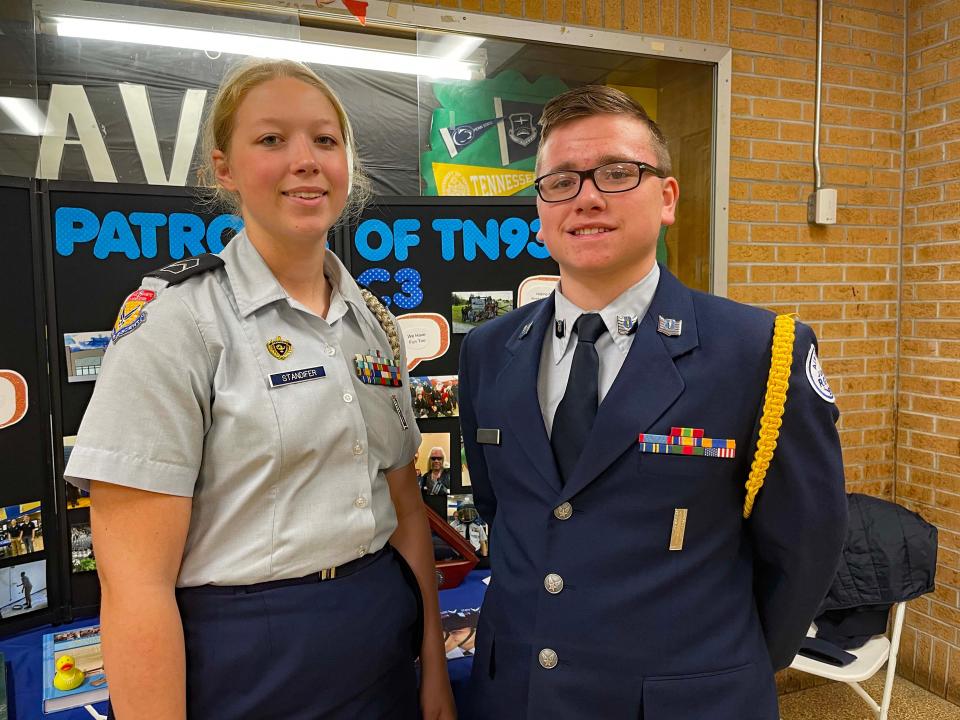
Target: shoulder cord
[(778, 380), (386, 322)]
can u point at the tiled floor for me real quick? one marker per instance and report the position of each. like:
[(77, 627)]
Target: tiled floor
[(836, 701)]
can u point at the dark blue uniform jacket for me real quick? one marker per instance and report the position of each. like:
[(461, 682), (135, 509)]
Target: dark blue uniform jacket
[(638, 630)]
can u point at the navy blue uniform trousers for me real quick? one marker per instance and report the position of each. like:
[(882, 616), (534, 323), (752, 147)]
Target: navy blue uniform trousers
[(332, 650)]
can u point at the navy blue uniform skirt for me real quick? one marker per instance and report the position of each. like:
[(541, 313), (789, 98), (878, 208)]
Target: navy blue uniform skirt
[(332, 650)]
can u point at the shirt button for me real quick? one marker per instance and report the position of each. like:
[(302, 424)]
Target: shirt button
[(358, 448), (331, 351), (553, 583), (548, 659), (347, 397), (362, 550), (360, 502), (563, 512)]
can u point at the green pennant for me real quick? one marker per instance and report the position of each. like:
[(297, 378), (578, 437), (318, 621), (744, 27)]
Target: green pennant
[(513, 139)]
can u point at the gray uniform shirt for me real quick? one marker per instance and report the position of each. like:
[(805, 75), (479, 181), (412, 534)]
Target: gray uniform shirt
[(556, 358), (286, 479)]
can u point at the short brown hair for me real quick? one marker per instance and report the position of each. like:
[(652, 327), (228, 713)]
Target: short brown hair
[(591, 100), (218, 126)]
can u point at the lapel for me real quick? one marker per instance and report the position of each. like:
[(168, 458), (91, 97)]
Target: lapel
[(517, 385), (647, 385)]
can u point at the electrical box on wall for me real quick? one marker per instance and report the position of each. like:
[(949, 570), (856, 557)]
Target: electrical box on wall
[(822, 207)]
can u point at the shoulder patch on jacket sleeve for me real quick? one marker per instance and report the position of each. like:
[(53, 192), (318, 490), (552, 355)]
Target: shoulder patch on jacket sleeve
[(816, 376), (179, 271)]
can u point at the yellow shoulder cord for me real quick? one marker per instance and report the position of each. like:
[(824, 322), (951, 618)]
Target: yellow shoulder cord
[(386, 322), (781, 357)]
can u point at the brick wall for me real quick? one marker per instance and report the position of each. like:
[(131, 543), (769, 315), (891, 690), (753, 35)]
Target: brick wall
[(928, 427), (840, 279)]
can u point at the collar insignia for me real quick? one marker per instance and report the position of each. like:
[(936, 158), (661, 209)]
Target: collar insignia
[(669, 326)]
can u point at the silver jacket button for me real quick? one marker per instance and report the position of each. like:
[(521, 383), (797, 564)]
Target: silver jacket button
[(553, 583), (548, 659)]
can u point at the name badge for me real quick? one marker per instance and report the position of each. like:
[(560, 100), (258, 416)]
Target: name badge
[(295, 376), (488, 436)]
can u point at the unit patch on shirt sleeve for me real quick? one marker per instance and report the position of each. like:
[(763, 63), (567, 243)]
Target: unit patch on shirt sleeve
[(132, 314)]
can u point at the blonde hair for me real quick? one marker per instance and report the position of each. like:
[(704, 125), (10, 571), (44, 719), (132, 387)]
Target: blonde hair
[(591, 100), (219, 123)]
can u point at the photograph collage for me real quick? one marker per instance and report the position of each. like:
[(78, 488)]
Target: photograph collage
[(23, 577), (441, 462)]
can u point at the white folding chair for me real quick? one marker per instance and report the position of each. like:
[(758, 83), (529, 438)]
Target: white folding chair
[(870, 658)]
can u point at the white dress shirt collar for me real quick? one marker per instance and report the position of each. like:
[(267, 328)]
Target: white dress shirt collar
[(633, 301)]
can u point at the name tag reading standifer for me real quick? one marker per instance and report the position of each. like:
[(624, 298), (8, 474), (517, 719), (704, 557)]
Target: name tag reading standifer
[(295, 376), (488, 436)]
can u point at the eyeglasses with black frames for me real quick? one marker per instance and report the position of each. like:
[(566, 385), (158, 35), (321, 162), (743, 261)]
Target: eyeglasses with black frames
[(614, 177)]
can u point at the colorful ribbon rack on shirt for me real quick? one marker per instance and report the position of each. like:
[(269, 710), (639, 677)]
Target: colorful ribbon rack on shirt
[(377, 370), (687, 441)]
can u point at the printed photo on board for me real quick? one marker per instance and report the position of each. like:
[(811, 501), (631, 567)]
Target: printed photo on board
[(435, 396), (81, 547), (84, 353), (463, 517), (464, 470), (23, 588), (433, 464), (20, 530), (76, 498), (470, 308)]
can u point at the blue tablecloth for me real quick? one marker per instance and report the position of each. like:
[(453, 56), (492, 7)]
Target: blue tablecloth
[(23, 654)]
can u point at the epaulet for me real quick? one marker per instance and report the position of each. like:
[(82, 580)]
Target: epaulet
[(177, 272), (385, 320)]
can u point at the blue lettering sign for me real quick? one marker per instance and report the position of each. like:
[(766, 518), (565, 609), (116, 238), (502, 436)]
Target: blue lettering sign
[(362, 240), (376, 241), (447, 228), (73, 225), (148, 224), (410, 295), (135, 235)]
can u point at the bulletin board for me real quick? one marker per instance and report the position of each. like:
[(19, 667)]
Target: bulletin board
[(444, 266), (29, 557)]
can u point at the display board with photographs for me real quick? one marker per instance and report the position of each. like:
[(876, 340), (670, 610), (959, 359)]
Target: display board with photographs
[(27, 520), (444, 267)]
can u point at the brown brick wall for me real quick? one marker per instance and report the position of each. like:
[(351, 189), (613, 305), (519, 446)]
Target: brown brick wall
[(928, 427), (840, 279)]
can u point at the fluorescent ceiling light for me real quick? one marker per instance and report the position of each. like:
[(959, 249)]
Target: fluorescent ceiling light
[(455, 47), (265, 47), (25, 113)]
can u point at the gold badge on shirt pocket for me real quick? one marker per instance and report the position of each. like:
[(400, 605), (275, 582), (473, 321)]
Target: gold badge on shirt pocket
[(280, 348)]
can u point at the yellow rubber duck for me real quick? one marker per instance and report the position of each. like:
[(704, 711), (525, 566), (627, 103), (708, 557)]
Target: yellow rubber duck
[(68, 676)]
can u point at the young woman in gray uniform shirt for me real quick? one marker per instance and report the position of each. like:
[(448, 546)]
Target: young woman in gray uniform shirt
[(255, 506)]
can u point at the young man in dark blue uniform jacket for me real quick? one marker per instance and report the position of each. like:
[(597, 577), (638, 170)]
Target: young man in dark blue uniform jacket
[(610, 431)]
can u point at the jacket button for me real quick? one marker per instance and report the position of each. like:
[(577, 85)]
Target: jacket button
[(548, 659), (563, 512), (553, 583)]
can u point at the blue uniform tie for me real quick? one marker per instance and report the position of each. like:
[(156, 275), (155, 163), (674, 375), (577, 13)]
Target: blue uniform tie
[(578, 408)]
